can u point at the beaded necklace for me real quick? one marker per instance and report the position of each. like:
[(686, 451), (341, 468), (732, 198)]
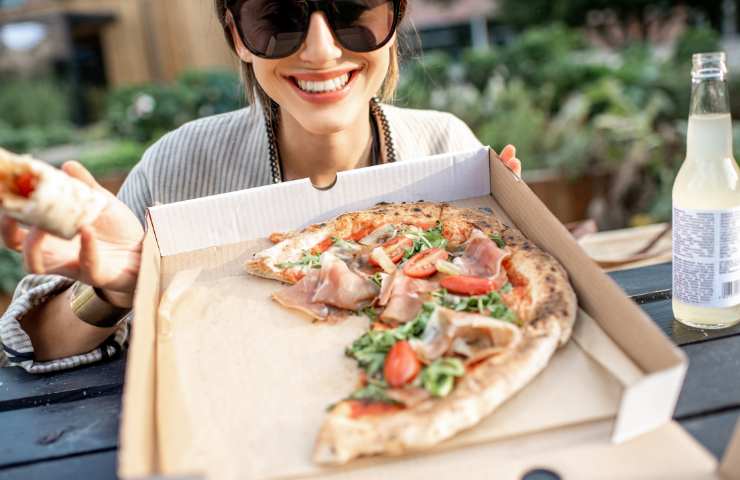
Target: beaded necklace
[(376, 112)]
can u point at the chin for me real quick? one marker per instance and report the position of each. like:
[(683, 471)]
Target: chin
[(326, 121)]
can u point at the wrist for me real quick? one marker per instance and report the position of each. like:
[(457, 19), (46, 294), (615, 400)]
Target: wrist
[(90, 305), (117, 299)]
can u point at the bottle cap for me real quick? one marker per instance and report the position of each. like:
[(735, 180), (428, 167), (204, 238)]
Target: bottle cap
[(709, 66)]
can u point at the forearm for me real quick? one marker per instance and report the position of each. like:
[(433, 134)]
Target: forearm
[(56, 332)]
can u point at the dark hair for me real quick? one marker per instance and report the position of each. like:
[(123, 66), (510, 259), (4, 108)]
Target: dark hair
[(252, 87)]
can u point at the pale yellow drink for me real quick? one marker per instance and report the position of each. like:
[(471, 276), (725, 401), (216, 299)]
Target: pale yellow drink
[(706, 207)]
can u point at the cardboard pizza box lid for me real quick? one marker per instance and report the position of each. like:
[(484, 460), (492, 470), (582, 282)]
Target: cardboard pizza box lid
[(209, 233)]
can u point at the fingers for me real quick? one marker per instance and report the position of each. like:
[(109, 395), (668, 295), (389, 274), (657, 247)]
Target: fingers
[(89, 259), (33, 255), (12, 234), (508, 153), (508, 157), (78, 171)]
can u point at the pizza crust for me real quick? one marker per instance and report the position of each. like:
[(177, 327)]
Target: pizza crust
[(292, 245), (475, 396)]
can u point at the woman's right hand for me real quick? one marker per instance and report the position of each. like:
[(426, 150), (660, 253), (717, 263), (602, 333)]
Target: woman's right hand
[(105, 254)]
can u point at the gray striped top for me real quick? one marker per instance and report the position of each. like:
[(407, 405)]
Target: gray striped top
[(212, 155)]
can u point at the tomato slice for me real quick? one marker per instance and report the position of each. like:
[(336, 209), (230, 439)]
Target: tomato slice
[(360, 408), (468, 285), (363, 232), (294, 275), (395, 248), (25, 184), (422, 265), (323, 246), (401, 365)]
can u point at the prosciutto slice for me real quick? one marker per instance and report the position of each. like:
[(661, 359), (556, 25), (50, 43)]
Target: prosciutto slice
[(482, 257), (299, 296), (475, 337), (341, 287), (401, 296), (334, 285)]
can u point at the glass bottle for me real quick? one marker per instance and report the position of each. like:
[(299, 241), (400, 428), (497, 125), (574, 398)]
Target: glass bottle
[(706, 206)]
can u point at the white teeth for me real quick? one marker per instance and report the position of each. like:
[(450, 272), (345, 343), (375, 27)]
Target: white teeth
[(330, 85)]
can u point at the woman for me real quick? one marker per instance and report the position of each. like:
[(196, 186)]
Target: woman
[(312, 71)]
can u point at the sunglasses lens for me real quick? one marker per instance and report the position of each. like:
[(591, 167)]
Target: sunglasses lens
[(363, 25), (273, 29)]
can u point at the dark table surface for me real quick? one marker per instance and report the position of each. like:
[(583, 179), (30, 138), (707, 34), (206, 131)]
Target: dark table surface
[(65, 425)]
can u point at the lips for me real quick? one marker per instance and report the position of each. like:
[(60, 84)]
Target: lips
[(323, 87)]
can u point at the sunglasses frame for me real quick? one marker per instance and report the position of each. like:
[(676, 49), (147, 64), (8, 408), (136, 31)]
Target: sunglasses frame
[(315, 6)]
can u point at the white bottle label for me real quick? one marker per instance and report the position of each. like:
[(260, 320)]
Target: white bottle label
[(706, 257)]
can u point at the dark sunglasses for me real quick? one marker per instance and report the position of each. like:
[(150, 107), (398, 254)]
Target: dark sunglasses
[(276, 29)]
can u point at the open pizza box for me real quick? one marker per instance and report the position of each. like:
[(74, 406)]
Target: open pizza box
[(223, 383)]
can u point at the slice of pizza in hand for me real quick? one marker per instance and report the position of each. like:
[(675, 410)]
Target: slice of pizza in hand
[(39, 195)]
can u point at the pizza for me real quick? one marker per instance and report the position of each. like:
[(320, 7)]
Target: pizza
[(38, 194), (463, 312)]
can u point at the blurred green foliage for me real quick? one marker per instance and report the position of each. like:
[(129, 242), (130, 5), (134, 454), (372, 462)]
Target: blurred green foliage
[(11, 270), (35, 114), (143, 113), (113, 157), (38, 103), (575, 12), (575, 109)]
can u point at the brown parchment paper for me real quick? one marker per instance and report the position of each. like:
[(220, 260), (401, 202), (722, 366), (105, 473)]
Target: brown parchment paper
[(244, 383)]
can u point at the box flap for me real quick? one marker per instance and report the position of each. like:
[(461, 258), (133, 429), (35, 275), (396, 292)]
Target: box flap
[(233, 217), (138, 436), (730, 468), (651, 401)]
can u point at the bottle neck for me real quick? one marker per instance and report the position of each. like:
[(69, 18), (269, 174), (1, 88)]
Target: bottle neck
[(709, 136), (709, 96), (710, 124)]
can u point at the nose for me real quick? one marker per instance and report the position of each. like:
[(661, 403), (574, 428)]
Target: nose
[(320, 46)]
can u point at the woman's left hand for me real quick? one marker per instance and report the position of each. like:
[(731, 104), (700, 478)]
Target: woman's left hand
[(508, 156)]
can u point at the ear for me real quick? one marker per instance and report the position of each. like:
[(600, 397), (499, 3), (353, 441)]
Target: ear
[(244, 54)]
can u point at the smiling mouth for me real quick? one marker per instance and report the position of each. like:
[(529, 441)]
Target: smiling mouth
[(323, 86)]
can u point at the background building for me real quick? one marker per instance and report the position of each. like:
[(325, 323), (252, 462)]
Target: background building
[(97, 44)]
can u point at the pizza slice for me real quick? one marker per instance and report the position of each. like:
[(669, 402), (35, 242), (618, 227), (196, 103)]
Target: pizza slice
[(37, 194), (464, 311)]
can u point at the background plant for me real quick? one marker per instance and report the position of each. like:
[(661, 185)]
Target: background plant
[(571, 107)]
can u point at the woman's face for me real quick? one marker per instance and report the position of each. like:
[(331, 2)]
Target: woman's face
[(323, 86)]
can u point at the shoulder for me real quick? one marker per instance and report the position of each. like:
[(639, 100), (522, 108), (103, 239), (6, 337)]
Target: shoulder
[(206, 148), (203, 136), (207, 156), (428, 132)]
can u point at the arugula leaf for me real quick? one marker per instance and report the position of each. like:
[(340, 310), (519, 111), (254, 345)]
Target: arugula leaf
[(308, 260), (377, 279), (415, 328), (372, 392), (431, 238), (490, 304), (370, 313), (439, 377), (371, 348), (497, 240)]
